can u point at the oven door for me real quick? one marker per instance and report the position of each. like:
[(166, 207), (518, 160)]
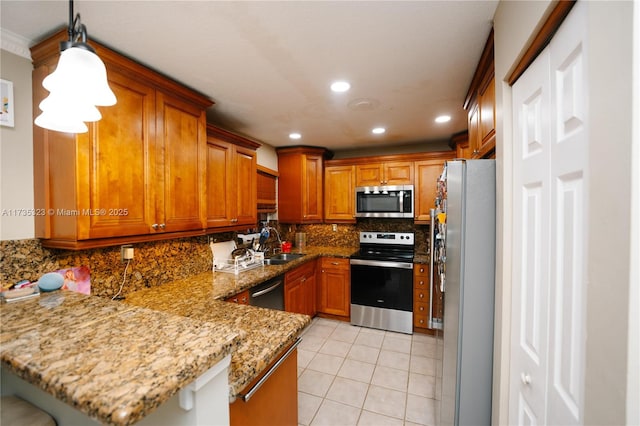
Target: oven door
[(382, 284)]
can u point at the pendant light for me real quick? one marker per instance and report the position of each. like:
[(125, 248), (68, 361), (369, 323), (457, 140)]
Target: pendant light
[(77, 86)]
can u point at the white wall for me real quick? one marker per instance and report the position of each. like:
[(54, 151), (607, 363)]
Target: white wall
[(16, 152), (609, 309)]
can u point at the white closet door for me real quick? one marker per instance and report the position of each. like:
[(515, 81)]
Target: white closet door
[(569, 214), (529, 343), (550, 108)]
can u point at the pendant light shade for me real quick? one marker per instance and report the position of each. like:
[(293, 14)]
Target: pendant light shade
[(76, 87)]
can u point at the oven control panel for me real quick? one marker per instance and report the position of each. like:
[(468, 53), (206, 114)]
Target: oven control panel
[(395, 238)]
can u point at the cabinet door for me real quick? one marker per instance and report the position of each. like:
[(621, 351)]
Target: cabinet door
[(310, 289), (474, 130), (487, 134), (339, 194), (334, 289), (427, 173), (246, 194), (369, 174), (312, 188), (117, 183), (181, 131), (398, 173), (294, 296), (220, 185)]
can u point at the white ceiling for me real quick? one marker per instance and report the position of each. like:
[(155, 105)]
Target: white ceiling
[(268, 64)]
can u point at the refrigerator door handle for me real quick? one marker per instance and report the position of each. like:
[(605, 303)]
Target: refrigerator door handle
[(431, 263)]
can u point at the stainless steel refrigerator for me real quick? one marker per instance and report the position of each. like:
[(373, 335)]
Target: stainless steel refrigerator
[(464, 261)]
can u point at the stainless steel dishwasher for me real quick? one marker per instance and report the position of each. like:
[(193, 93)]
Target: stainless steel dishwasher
[(269, 294)]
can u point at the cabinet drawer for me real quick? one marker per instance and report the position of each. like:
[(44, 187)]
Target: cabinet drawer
[(421, 270), (304, 270), (334, 263)]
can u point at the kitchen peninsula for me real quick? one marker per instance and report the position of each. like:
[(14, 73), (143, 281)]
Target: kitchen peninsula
[(121, 363)]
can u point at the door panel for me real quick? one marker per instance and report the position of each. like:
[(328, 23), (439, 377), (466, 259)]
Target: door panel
[(550, 231)]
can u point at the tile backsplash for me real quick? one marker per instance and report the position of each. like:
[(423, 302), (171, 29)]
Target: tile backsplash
[(158, 262)]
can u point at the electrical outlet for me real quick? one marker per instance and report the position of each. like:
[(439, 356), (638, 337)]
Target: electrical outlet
[(126, 253), (335, 227)]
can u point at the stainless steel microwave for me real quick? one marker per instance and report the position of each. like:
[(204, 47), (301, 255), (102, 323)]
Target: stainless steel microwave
[(385, 201)]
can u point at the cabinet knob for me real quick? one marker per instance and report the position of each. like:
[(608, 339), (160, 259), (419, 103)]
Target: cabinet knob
[(421, 282), (155, 226), (162, 226), (421, 321), (244, 300), (526, 378), (421, 295), (421, 308), (421, 269)]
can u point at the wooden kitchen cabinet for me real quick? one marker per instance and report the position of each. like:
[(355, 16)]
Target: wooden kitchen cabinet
[(334, 287), (241, 298), (427, 173), (460, 143), (300, 184), (136, 175), (480, 104), (386, 173), (275, 402), (421, 298), (300, 289), (231, 180), (267, 193), (339, 194)]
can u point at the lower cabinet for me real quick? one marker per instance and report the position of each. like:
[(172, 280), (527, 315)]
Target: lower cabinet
[(421, 296), (300, 289), (334, 288), (275, 402)]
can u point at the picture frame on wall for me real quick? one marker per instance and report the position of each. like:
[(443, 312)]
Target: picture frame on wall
[(7, 107)]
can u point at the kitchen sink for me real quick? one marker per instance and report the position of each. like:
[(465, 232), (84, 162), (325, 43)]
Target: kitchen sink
[(282, 258)]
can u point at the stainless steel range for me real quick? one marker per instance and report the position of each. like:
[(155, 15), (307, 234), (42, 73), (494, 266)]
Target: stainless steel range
[(382, 281)]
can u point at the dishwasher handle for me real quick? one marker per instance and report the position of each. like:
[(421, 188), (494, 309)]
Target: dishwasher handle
[(267, 290)]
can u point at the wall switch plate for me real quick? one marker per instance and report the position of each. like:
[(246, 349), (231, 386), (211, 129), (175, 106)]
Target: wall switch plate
[(126, 253), (335, 227)]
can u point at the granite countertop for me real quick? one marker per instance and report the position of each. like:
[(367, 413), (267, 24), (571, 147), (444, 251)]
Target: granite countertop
[(266, 332), (114, 362)]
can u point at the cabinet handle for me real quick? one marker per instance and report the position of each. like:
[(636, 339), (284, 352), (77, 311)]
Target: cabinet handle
[(155, 226), (244, 300), (421, 308), (526, 378), (162, 226), (335, 263), (421, 295), (421, 270), (421, 282)]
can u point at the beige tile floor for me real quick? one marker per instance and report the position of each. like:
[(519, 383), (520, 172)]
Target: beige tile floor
[(349, 375)]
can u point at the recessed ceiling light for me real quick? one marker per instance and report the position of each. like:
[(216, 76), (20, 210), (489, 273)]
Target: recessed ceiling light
[(340, 86), (295, 135), (443, 119), (378, 130)]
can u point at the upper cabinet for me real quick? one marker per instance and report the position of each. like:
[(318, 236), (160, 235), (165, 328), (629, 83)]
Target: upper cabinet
[(231, 180), (300, 193), (480, 104), (427, 172), (385, 173), (137, 174), (339, 193), (267, 183)]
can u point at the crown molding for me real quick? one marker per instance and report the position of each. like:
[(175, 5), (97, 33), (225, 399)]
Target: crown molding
[(15, 43)]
